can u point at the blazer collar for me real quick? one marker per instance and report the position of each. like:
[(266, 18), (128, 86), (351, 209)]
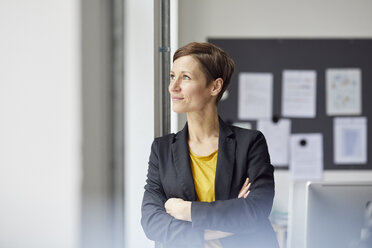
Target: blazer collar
[(225, 162), (181, 159)]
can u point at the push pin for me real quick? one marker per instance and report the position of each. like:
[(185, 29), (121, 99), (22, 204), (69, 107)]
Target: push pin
[(275, 119), (303, 142)]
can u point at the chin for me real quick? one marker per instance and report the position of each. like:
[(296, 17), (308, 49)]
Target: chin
[(178, 110)]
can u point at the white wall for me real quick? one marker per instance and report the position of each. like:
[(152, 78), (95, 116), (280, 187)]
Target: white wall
[(39, 123), (199, 20), (139, 112), (97, 225), (173, 49), (272, 19)]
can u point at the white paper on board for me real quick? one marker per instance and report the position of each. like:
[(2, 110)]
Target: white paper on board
[(277, 138), (246, 125), (255, 95), (350, 140), (343, 91), (306, 156), (299, 93)]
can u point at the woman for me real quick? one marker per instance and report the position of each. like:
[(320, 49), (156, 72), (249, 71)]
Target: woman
[(209, 185)]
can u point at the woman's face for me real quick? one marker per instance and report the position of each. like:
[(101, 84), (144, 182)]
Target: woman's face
[(188, 86)]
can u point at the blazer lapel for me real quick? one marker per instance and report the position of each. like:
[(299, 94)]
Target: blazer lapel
[(181, 160), (225, 162)]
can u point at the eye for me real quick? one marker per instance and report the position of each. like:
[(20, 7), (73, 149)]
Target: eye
[(186, 77), (172, 77)]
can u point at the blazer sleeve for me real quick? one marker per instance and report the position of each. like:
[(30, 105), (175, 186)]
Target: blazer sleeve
[(156, 223), (242, 215)]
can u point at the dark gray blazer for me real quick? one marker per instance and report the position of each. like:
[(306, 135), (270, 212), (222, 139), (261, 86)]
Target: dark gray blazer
[(242, 153)]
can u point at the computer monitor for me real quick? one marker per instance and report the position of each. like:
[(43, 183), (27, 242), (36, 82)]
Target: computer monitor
[(335, 213)]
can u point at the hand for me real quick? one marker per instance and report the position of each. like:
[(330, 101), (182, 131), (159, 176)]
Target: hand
[(178, 208), (244, 192)]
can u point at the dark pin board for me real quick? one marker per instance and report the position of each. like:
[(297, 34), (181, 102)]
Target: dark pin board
[(276, 55)]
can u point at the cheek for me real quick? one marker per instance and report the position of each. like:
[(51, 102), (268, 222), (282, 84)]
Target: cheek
[(194, 93), (199, 96)]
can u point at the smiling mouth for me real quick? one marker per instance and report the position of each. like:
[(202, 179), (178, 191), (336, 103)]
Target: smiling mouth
[(177, 98)]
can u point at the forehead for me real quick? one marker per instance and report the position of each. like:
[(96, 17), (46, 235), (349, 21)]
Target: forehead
[(186, 63)]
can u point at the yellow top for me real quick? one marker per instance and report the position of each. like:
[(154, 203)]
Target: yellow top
[(204, 172)]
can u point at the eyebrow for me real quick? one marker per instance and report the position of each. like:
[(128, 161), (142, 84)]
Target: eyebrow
[(181, 72)]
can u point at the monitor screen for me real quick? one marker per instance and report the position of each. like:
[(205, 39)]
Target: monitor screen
[(335, 214)]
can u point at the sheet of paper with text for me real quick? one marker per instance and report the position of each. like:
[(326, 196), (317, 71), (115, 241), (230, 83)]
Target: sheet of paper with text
[(306, 156), (299, 93), (255, 96)]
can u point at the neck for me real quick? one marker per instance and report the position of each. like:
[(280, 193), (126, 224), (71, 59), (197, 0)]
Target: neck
[(203, 125)]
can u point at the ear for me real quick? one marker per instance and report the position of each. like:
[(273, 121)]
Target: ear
[(216, 86)]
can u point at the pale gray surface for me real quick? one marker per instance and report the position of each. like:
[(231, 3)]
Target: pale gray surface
[(335, 213), (296, 215)]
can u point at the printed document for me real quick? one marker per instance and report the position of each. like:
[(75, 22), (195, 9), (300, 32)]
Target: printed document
[(277, 138), (344, 91), (350, 140), (306, 156), (255, 96), (299, 93)]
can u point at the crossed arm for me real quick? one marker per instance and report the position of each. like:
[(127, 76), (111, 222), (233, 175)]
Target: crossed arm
[(176, 221), (181, 210)]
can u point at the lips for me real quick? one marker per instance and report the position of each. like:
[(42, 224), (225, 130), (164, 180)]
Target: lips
[(174, 98)]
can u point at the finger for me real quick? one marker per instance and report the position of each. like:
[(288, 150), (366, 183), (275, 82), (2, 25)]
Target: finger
[(246, 194), (242, 192), (168, 203), (245, 188), (249, 185), (166, 208), (246, 182)]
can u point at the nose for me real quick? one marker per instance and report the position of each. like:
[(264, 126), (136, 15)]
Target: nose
[(174, 85)]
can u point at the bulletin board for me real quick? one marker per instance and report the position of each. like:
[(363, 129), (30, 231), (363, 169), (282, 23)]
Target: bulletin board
[(276, 55)]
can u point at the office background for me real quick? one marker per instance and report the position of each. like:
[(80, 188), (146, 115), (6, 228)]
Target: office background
[(43, 105), (272, 19), (275, 55)]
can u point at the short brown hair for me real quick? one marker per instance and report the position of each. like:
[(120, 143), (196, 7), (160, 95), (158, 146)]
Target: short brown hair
[(215, 63)]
